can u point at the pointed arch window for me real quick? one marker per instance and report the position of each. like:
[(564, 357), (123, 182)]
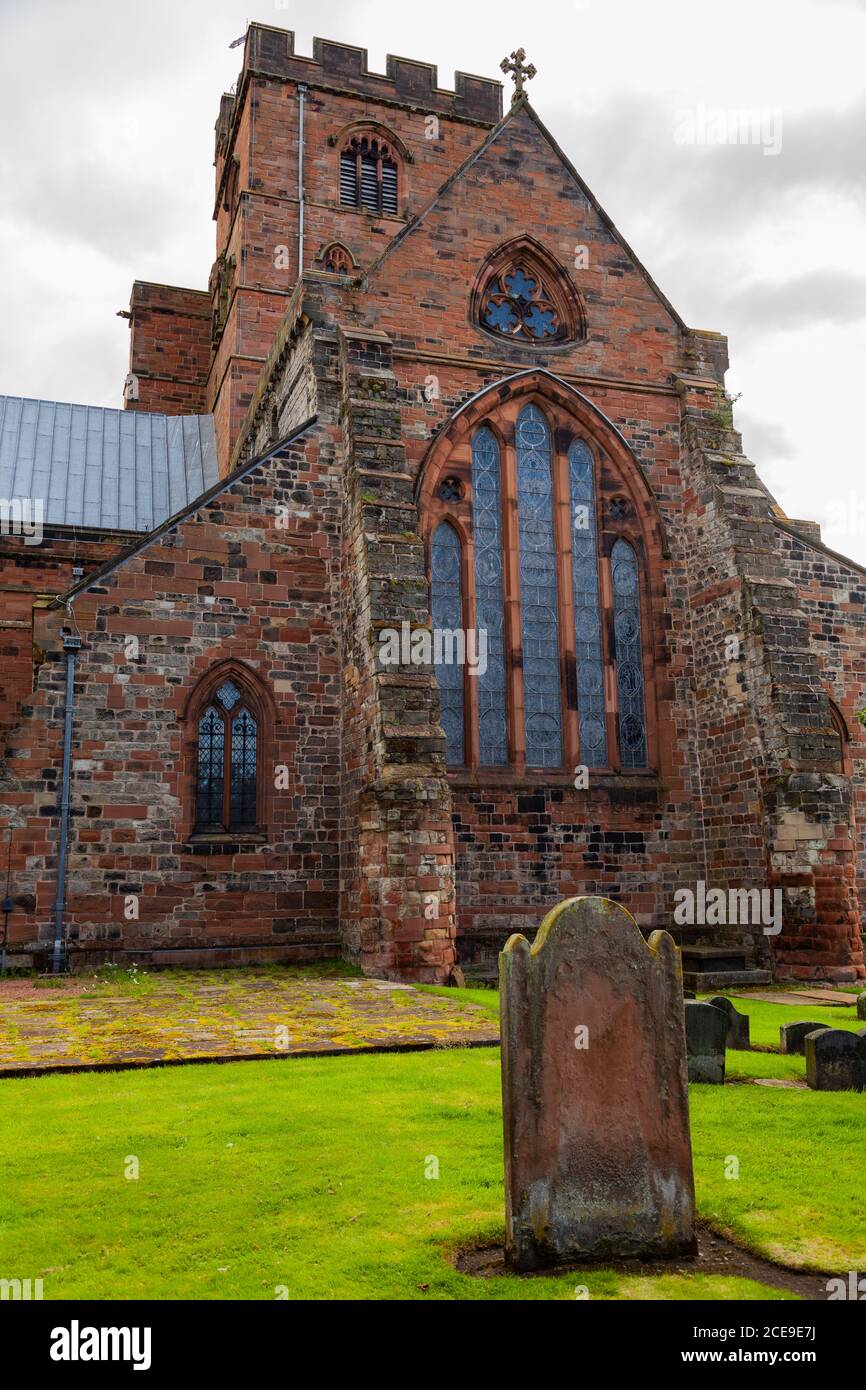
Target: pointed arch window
[(368, 175), (524, 294), (552, 579), (227, 762)]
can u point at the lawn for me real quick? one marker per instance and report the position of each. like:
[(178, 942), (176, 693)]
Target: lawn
[(310, 1176)]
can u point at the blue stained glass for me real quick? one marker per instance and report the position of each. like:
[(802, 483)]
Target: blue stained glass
[(501, 317), (446, 614), (538, 594), (629, 656), (489, 605), (587, 610), (519, 285), (540, 322)]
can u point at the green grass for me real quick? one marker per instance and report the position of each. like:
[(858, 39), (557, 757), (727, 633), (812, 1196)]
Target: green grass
[(765, 1019), (311, 1175)]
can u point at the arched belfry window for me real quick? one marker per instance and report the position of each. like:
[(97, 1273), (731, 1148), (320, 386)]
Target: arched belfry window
[(227, 762), (368, 174), (535, 545)]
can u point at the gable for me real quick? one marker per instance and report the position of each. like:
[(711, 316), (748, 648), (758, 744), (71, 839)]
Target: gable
[(519, 184)]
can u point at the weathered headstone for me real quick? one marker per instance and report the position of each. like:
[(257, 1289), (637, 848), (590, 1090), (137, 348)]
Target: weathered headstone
[(861, 1005), (738, 1024), (598, 1160), (706, 1037), (835, 1060), (792, 1036)]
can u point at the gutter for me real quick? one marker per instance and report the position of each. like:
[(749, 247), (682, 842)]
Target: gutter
[(71, 645)]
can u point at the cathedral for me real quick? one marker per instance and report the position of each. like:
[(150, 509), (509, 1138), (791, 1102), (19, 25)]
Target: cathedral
[(420, 582)]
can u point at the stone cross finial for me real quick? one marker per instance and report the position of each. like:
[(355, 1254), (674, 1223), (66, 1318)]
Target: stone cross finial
[(519, 71)]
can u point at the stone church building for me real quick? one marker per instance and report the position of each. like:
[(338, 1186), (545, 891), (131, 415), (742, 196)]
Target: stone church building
[(420, 583)]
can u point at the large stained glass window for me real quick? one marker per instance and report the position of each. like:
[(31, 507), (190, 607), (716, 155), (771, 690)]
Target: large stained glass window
[(533, 551), (489, 598), (226, 779), (446, 611), (587, 610), (538, 592), (629, 657)]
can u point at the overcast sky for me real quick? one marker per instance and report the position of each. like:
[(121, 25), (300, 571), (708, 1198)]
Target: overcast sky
[(106, 154)]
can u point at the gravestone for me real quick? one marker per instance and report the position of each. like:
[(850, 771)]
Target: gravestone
[(598, 1160), (792, 1036), (706, 1037), (835, 1060), (861, 1005), (738, 1024)]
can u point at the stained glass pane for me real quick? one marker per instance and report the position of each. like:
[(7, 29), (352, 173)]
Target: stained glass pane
[(587, 613), (489, 605), (243, 788), (211, 762), (516, 304), (629, 656), (446, 613), (228, 695), (539, 622)]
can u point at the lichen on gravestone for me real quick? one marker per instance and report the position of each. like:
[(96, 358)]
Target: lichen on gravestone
[(598, 1158)]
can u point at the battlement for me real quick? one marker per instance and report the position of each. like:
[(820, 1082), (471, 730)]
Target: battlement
[(271, 52)]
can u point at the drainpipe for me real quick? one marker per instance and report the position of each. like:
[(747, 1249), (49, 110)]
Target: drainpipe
[(71, 645), (302, 95)]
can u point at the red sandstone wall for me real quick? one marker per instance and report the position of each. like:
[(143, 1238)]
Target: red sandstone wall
[(169, 348), (229, 583)]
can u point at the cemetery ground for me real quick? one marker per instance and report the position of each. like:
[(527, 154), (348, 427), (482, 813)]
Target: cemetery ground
[(371, 1176)]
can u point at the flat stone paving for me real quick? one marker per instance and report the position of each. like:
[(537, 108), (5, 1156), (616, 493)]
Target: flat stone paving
[(177, 1016), (796, 998)]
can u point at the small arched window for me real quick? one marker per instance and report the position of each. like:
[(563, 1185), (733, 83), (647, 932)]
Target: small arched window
[(552, 585), (368, 175), (227, 788), (336, 260)]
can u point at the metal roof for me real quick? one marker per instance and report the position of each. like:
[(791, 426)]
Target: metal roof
[(118, 470)]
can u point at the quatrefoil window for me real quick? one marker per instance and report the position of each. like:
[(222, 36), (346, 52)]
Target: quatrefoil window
[(518, 307)]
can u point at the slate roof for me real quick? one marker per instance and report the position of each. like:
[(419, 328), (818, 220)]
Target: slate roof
[(118, 470)]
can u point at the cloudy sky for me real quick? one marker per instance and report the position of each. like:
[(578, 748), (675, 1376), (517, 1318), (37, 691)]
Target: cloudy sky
[(108, 109)]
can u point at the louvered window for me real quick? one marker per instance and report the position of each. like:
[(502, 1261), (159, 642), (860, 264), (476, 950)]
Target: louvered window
[(368, 176)]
